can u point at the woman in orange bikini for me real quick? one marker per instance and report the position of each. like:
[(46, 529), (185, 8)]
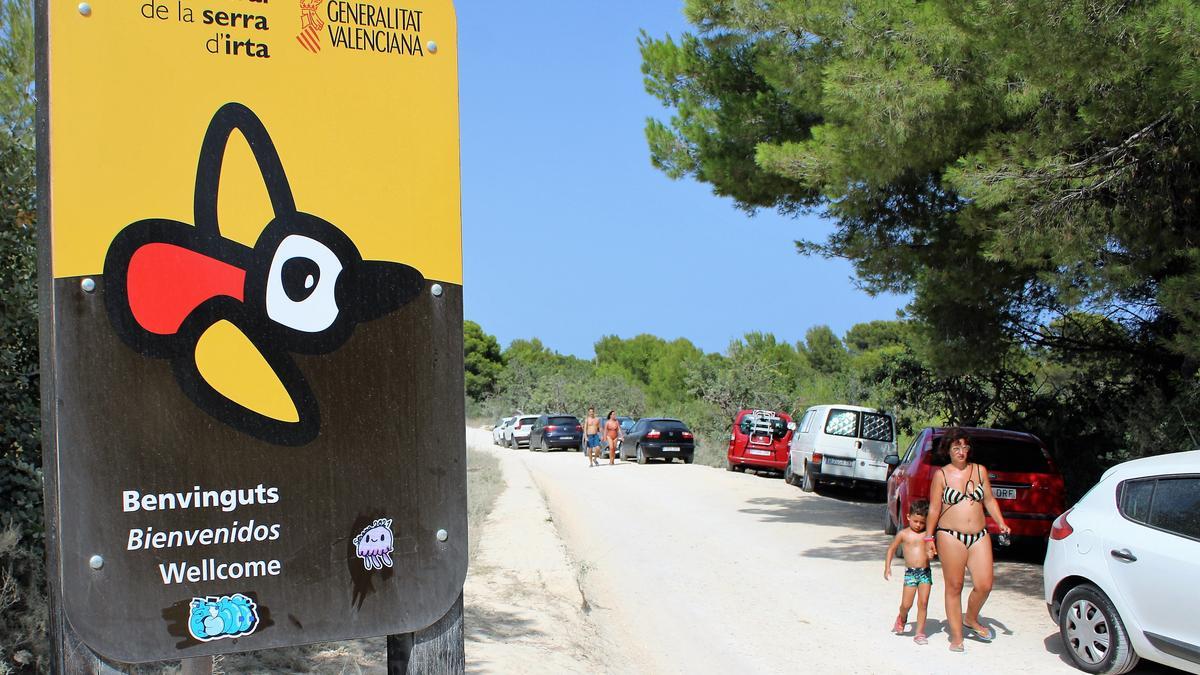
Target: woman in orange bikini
[(612, 430), (956, 529)]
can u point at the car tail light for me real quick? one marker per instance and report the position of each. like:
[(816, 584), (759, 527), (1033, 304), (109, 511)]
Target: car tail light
[(551, 427), (1061, 529), (817, 458), (517, 425), (687, 434), (654, 434), (578, 427)]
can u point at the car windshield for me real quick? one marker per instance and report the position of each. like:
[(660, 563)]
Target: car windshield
[(1005, 454), (527, 420), (563, 421)]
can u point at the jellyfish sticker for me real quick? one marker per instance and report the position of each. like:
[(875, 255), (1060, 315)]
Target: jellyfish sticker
[(227, 616), (374, 544)]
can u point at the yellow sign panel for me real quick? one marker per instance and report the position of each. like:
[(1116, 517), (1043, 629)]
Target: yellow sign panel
[(359, 99)]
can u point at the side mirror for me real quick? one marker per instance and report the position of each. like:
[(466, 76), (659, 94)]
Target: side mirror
[(892, 460)]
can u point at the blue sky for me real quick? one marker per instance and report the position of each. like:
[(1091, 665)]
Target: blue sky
[(570, 234)]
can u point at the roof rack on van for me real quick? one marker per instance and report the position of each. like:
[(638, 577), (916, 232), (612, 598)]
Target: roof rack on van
[(763, 424)]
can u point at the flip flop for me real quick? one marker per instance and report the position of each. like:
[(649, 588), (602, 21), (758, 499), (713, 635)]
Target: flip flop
[(974, 634), (921, 639), (900, 626), (958, 648)]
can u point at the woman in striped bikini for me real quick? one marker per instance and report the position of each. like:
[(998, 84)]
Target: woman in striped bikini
[(955, 529)]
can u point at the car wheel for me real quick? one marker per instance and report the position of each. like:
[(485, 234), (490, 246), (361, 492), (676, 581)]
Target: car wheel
[(1096, 639), (729, 465), (789, 476), (641, 456), (809, 482), (889, 525), (687, 459)]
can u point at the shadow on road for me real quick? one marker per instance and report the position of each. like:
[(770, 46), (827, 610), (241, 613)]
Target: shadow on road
[(852, 548), (817, 511), (1023, 578), (497, 625)]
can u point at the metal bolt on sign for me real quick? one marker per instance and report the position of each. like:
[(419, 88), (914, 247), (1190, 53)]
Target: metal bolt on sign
[(88, 285), (436, 290), (96, 562), (442, 535), (85, 9), (431, 47)]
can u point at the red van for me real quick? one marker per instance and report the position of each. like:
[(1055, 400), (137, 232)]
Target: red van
[(1027, 485), (759, 440)]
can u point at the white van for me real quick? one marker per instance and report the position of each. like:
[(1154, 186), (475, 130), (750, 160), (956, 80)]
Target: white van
[(843, 444)]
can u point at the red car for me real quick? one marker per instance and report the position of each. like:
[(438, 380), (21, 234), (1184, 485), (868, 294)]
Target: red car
[(1027, 485), (759, 440)]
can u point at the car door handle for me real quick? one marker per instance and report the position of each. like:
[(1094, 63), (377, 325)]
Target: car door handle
[(1123, 554)]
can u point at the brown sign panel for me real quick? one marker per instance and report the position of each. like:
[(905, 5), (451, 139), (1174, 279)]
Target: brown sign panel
[(255, 322)]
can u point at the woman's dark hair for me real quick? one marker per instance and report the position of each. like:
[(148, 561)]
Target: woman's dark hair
[(610, 414), (952, 435)]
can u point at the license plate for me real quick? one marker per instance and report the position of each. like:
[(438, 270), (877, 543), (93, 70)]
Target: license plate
[(1004, 493), (568, 438), (671, 448), (835, 461), (762, 453)]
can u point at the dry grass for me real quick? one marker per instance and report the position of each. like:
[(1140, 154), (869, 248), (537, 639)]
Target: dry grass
[(484, 485)]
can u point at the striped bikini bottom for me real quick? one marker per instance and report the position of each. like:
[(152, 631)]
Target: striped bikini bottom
[(967, 539)]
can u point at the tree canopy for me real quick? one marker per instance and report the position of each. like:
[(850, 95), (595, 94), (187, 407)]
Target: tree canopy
[(1005, 162), (1026, 171)]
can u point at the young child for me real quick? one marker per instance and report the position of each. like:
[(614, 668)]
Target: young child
[(918, 580)]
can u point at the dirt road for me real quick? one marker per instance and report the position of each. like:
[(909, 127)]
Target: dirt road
[(688, 569)]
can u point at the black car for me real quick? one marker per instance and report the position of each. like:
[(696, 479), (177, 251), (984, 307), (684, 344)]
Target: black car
[(556, 431), (659, 438)]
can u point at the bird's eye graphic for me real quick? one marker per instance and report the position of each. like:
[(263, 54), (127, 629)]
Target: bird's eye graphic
[(300, 277), (301, 284)]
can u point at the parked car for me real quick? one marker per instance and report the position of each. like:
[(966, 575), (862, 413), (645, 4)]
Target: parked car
[(659, 438), (506, 433), (843, 444), (1026, 484), (1122, 564), (498, 430), (760, 439), (522, 425), (556, 431)]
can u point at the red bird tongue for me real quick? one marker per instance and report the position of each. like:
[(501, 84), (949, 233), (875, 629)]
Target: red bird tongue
[(167, 282)]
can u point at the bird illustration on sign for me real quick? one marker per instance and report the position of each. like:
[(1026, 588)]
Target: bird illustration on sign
[(228, 315)]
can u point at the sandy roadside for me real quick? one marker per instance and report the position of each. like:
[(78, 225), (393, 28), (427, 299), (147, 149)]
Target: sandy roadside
[(525, 612)]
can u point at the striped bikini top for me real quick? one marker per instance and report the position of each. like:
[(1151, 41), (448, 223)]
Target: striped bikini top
[(950, 496)]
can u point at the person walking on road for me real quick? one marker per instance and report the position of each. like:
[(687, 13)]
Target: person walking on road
[(956, 530), (591, 432), (612, 431), (918, 578)]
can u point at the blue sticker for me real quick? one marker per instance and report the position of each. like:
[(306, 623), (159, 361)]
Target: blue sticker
[(374, 544), (227, 616)]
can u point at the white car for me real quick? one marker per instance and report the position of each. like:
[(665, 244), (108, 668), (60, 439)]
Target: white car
[(498, 431), (518, 431), (1122, 572)]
